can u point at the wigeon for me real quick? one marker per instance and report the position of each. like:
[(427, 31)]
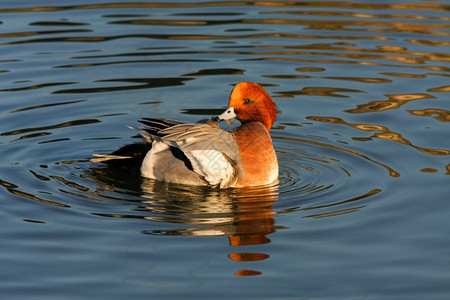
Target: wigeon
[(205, 154)]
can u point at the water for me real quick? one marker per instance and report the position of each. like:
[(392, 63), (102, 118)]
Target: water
[(362, 207)]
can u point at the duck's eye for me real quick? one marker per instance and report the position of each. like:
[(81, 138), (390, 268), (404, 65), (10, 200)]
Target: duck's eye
[(247, 101)]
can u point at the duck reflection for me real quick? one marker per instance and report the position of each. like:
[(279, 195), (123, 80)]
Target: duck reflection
[(243, 215)]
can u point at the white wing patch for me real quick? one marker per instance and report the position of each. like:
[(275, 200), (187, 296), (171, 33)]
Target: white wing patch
[(214, 166)]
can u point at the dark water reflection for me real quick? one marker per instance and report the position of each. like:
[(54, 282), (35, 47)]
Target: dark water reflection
[(361, 206)]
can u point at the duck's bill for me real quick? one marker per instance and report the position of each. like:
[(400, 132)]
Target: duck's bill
[(227, 115)]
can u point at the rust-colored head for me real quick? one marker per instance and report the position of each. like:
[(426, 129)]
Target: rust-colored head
[(250, 102)]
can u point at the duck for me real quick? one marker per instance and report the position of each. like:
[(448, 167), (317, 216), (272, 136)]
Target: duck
[(204, 154)]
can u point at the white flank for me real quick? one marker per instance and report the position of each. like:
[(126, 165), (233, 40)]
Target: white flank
[(148, 164)]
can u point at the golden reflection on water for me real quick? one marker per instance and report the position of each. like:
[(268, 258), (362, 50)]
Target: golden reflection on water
[(393, 102), (438, 114), (318, 91), (300, 4), (383, 133), (15, 190), (440, 89), (341, 211), (366, 23), (39, 131)]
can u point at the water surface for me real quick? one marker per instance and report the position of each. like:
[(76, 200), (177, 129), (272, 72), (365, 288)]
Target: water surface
[(361, 210)]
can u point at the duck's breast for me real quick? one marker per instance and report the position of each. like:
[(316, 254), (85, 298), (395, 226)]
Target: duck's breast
[(259, 160)]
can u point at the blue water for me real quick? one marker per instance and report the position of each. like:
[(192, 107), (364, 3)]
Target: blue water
[(361, 210)]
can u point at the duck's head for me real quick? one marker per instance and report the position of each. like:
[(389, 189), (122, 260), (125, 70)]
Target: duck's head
[(250, 102)]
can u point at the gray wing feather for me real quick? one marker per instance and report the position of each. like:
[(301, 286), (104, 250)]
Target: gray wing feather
[(213, 152)]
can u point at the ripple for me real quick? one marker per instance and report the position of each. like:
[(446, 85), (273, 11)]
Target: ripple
[(315, 177), (324, 179)]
